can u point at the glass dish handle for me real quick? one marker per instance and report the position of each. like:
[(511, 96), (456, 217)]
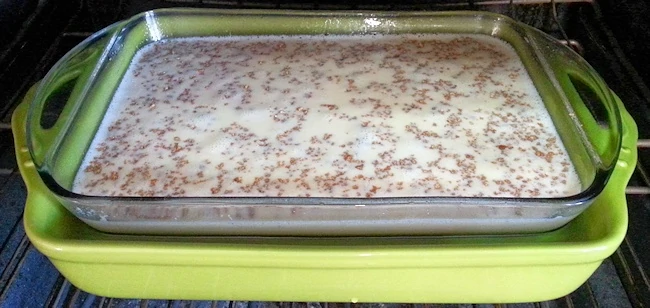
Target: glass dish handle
[(59, 90), (590, 102)]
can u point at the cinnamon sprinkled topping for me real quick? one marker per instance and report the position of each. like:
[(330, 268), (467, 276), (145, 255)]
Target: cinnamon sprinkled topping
[(336, 116)]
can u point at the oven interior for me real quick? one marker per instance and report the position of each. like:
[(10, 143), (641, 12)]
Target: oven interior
[(611, 35)]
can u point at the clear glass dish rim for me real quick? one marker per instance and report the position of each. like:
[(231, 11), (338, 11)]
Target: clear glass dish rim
[(585, 196)]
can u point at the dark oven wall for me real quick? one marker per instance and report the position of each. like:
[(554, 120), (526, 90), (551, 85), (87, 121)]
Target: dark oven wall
[(630, 23), (12, 15)]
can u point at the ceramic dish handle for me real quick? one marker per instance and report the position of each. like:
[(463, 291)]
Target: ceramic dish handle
[(59, 91), (590, 102)]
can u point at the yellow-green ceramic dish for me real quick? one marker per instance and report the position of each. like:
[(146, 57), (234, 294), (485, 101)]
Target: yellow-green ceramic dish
[(365, 269)]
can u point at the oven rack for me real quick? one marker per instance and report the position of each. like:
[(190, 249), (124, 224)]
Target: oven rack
[(25, 274)]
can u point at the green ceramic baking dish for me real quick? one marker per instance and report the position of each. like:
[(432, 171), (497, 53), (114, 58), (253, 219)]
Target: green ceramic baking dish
[(441, 269), (582, 109)]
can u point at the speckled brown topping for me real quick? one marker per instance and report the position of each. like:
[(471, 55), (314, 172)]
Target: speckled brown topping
[(335, 116)]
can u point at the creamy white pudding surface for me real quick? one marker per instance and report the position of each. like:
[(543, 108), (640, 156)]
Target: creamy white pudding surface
[(327, 116)]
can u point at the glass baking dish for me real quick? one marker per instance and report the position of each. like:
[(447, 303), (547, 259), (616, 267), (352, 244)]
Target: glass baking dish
[(580, 105)]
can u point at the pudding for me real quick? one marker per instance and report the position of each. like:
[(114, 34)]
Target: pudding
[(350, 116)]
